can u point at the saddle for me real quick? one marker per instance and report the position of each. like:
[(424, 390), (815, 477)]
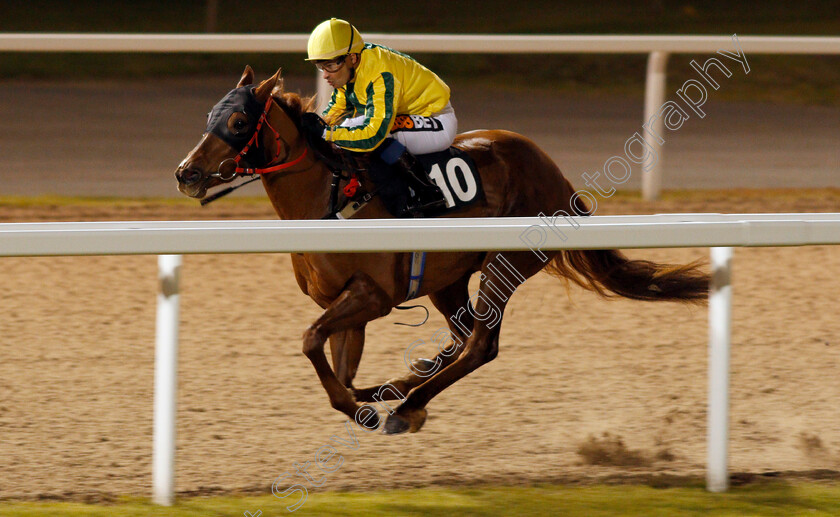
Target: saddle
[(453, 171)]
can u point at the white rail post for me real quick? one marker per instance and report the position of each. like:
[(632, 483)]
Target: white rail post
[(166, 380), (654, 99), (720, 324)]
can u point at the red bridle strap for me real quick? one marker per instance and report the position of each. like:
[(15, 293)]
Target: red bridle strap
[(255, 141), (275, 168)]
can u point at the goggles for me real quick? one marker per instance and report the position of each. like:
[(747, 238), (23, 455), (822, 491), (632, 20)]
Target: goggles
[(331, 66)]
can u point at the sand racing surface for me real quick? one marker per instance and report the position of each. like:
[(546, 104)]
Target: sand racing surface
[(582, 388), (77, 351)]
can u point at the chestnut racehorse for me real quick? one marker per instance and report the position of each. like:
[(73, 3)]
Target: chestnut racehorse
[(518, 179)]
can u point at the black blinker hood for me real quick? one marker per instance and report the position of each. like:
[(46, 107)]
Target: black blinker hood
[(237, 100)]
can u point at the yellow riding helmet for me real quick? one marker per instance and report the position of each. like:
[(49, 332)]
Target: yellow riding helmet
[(333, 38)]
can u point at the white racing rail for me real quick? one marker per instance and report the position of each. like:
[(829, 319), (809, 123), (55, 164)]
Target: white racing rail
[(436, 43), (658, 49), (719, 231), (373, 235)]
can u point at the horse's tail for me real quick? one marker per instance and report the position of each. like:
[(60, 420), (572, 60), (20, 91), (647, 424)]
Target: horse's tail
[(610, 273)]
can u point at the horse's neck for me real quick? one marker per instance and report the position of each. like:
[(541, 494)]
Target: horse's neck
[(303, 191), (302, 194)]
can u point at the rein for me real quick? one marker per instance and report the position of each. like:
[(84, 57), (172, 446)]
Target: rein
[(250, 171), (335, 167), (253, 171)]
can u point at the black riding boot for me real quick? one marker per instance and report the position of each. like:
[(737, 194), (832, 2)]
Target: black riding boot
[(391, 188), (427, 195)]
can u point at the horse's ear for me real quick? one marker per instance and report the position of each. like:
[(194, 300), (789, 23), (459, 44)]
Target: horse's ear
[(264, 89), (247, 77)]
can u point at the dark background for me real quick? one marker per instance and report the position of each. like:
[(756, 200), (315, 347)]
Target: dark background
[(118, 124), (791, 78)]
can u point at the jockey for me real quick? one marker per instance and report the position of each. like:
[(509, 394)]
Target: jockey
[(386, 103)]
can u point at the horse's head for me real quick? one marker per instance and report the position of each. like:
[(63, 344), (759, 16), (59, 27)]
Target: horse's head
[(231, 139)]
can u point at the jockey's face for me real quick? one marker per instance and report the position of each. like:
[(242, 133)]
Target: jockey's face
[(342, 73)]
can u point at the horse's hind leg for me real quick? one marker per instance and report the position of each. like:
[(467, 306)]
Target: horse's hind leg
[(361, 301), (346, 349), (449, 301), (481, 347)]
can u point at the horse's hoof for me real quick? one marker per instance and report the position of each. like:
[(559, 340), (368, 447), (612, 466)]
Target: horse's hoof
[(398, 424), (368, 417)]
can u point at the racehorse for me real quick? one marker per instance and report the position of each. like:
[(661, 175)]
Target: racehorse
[(258, 127)]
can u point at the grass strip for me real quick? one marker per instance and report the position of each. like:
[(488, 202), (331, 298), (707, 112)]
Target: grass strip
[(776, 498)]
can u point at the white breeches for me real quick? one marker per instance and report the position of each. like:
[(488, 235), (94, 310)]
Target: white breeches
[(421, 135)]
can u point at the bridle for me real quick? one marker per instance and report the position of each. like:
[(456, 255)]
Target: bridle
[(254, 140)]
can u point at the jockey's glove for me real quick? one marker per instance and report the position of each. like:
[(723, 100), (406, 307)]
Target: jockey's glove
[(312, 126)]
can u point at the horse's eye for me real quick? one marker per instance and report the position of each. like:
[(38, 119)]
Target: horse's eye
[(238, 124)]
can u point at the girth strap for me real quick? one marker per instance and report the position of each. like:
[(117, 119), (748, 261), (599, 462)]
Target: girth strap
[(415, 279)]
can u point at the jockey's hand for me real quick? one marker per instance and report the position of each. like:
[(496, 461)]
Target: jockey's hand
[(312, 126)]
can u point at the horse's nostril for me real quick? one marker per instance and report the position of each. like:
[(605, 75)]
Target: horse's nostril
[(188, 176)]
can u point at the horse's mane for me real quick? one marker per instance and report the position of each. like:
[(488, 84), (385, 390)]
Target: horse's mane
[(293, 103), (296, 105)]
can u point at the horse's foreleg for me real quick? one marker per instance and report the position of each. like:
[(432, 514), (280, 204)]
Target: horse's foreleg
[(361, 301), (346, 350), (448, 301)]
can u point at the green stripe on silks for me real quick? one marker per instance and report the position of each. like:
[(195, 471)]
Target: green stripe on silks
[(333, 98), (382, 132), (350, 97)]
